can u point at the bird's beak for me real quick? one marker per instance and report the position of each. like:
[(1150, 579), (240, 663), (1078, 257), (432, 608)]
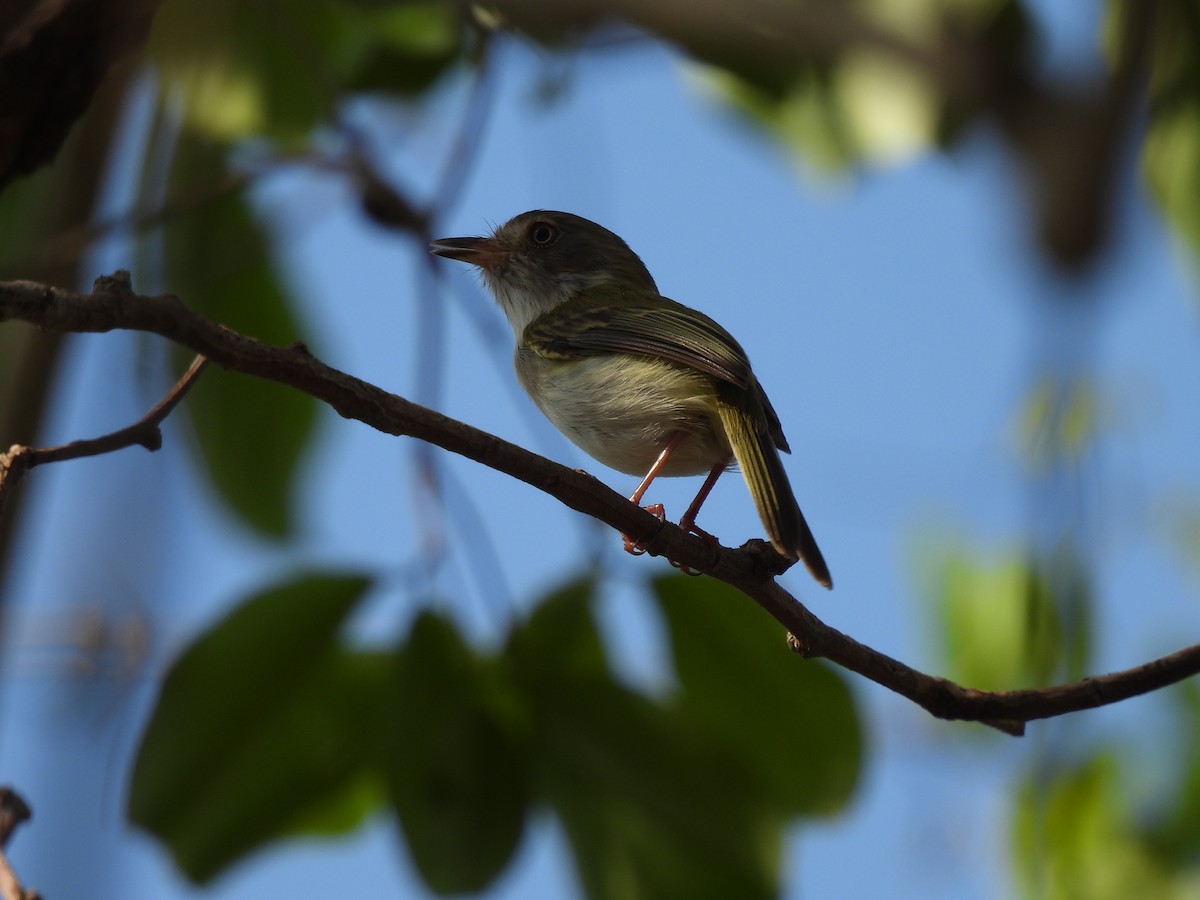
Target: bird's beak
[(485, 252)]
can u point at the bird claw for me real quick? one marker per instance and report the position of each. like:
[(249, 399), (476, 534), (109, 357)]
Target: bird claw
[(693, 528), (637, 548)]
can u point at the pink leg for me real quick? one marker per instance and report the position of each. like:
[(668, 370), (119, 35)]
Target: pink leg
[(688, 522), (632, 546)]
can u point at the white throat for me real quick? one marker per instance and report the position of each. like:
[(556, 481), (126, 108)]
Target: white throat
[(522, 302)]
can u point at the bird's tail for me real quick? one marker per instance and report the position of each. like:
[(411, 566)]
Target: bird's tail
[(758, 458)]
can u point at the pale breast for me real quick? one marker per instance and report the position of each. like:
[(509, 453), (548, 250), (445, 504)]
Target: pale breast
[(622, 410)]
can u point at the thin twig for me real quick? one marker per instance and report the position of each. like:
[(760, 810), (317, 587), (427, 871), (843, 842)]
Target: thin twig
[(751, 569), (18, 459)]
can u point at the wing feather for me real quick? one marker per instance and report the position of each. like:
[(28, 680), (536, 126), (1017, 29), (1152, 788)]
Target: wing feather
[(671, 331)]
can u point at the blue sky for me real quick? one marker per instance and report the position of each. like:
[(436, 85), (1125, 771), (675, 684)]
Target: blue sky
[(896, 319)]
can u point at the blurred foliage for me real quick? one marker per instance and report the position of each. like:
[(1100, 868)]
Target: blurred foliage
[(1013, 621), (259, 730), (1171, 155), (251, 432), (1077, 833), (1058, 423), (278, 70), (1074, 838), (457, 758), (867, 105), (1181, 523), (270, 723), (727, 663)]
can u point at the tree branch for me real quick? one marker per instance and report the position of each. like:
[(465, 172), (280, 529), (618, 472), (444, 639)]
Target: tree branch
[(13, 811), (145, 431), (751, 569)]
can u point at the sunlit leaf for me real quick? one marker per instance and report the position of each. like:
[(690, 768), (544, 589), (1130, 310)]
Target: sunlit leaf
[(862, 103), (1174, 832), (260, 730), (1171, 152), (408, 45), (794, 721), (805, 117), (456, 762), (1000, 625), (1073, 836), (240, 69)]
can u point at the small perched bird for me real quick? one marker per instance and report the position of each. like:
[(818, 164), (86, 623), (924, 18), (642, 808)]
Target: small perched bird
[(641, 383)]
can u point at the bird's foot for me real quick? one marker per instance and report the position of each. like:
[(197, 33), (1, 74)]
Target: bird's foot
[(637, 548), (693, 528)]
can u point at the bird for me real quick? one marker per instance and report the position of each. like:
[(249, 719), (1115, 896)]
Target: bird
[(638, 381)]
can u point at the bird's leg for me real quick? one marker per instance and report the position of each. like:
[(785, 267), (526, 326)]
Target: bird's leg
[(688, 522), (632, 546)]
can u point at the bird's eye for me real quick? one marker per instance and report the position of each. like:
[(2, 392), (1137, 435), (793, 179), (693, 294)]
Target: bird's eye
[(542, 233)]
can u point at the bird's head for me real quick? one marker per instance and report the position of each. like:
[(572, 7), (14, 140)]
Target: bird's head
[(542, 258)]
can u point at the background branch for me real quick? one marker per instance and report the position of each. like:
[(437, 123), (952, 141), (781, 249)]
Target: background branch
[(18, 459), (751, 569), (13, 811)]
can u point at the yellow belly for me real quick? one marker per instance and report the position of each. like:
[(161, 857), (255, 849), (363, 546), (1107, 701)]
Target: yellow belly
[(622, 410)]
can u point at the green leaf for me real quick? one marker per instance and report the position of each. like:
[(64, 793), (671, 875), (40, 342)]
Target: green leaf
[(633, 779), (652, 808), (1073, 836), (406, 45), (29, 209), (983, 640), (560, 639), (456, 762), (1171, 151), (1012, 622), (805, 115), (246, 69), (1174, 835), (259, 730), (251, 432), (793, 721)]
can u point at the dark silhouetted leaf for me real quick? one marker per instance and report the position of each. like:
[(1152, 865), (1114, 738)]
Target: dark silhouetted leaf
[(560, 637), (793, 721), (456, 761), (251, 432), (259, 730), (652, 807)]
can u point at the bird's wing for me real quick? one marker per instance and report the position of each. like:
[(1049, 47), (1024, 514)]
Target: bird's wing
[(672, 332)]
